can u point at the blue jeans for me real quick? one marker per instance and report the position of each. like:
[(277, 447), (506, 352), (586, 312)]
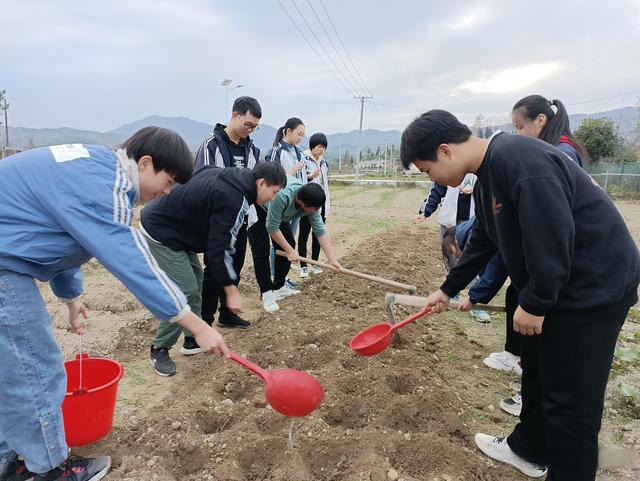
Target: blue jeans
[(32, 377)]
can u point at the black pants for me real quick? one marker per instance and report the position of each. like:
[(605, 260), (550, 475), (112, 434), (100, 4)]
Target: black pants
[(212, 292), (303, 237), (565, 373), (282, 264), (260, 251), (514, 339)]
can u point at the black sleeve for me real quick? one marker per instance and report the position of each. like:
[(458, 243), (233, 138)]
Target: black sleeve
[(225, 222), (477, 252), (547, 241)]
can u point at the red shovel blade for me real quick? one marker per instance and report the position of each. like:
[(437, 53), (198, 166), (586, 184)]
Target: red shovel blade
[(372, 340), (292, 392)]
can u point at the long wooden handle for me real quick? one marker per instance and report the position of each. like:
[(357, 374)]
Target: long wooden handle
[(381, 280), (422, 301)]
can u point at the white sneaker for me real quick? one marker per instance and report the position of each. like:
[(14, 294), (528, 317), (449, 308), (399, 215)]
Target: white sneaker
[(304, 272), (513, 405), (481, 316), (315, 270), (504, 361), (284, 292), (269, 303), (498, 449)]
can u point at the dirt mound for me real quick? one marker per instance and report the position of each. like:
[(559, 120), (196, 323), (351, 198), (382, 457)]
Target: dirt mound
[(399, 410)]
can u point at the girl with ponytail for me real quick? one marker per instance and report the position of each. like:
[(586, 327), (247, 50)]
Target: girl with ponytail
[(535, 116)]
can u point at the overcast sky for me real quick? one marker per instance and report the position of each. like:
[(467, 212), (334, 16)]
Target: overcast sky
[(97, 64)]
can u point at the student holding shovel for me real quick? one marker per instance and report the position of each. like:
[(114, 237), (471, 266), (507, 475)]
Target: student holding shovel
[(539, 208), (291, 203), (204, 215), (59, 207)]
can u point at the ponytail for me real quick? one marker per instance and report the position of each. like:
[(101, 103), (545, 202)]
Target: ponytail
[(557, 124), (290, 124)]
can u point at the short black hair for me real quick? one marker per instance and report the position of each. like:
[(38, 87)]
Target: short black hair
[(449, 240), (272, 172), (421, 138), (312, 195), (318, 139), (166, 148), (245, 104)]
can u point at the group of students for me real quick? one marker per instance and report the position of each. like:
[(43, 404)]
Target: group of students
[(573, 265), (215, 214), (532, 116), (62, 205), (574, 271)]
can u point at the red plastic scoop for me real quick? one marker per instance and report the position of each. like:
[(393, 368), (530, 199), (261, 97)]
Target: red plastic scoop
[(375, 339), (288, 391)]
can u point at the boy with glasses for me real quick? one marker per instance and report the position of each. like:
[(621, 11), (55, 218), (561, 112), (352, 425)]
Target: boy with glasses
[(230, 146)]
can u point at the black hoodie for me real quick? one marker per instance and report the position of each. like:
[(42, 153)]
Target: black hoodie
[(219, 150), (564, 243), (204, 215)]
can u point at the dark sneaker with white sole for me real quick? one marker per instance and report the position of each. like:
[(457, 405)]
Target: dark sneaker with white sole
[(77, 468), (190, 346), (162, 362), (233, 321), (15, 470)]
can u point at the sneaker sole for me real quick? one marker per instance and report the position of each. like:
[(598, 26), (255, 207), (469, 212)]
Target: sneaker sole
[(191, 352), (508, 409), (160, 373), (232, 326), (100, 474), (499, 367), (272, 310), (530, 473)]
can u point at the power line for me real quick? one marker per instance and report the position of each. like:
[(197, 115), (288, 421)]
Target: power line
[(353, 77), (623, 94), (345, 48), (312, 47), (322, 47)]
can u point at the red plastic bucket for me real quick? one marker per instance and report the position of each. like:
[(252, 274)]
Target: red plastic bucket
[(88, 412)]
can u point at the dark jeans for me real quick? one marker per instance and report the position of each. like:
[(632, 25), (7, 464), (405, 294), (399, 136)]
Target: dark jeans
[(282, 264), (303, 237), (260, 250), (212, 292), (514, 339), (565, 373)]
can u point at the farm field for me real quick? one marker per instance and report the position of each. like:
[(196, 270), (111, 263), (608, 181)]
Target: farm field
[(409, 413)]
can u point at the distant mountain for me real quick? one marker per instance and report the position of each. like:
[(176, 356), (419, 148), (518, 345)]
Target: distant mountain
[(195, 132)]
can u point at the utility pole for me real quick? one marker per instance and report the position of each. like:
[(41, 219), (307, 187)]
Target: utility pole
[(385, 156), (340, 154), (5, 106), (361, 98)]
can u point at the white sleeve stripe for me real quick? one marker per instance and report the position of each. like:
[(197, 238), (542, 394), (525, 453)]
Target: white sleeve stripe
[(205, 146), (176, 295), (115, 194), (228, 253), (219, 159)]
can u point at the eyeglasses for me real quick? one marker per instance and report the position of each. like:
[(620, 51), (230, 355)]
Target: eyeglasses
[(250, 127)]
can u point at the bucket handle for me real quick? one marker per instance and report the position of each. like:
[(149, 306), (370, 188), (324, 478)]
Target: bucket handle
[(80, 357)]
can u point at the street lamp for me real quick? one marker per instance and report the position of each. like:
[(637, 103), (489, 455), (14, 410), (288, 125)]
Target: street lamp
[(225, 83)]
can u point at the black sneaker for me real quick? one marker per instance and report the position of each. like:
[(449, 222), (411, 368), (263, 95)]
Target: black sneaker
[(77, 468), (190, 346), (15, 470), (233, 321), (161, 362)]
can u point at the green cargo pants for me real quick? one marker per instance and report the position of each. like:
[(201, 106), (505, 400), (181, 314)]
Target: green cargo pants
[(185, 270)]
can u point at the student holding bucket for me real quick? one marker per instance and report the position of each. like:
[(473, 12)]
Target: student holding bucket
[(59, 207), (537, 207)]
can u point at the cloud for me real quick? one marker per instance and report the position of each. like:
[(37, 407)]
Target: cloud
[(511, 79)]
